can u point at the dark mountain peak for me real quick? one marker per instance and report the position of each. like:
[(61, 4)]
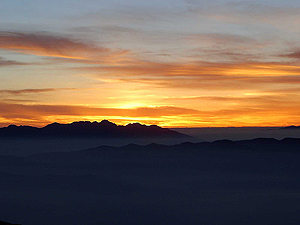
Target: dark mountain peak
[(12, 126), (83, 124), (155, 126), (142, 130), (135, 125), (17, 131), (293, 127), (80, 122), (52, 125), (107, 123)]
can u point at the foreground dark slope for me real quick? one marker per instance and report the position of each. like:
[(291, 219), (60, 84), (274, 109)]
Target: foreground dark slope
[(6, 223), (223, 182)]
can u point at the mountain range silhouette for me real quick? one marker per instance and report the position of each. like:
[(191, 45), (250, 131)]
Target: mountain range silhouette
[(103, 129), (254, 145)]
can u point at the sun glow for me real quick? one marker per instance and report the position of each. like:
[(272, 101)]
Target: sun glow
[(132, 105)]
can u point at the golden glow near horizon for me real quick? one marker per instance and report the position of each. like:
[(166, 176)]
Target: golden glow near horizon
[(185, 68)]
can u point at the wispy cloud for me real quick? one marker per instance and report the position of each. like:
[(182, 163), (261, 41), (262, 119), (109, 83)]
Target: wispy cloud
[(201, 68), (44, 44), (247, 13), (5, 62), (218, 83), (293, 55), (106, 28), (52, 110), (222, 39), (263, 100), (33, 91)]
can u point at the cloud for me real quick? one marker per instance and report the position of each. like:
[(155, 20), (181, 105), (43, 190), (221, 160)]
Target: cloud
[(228, 53), (201, 75), (10, 100), (221, 39), (265, 100), (32, 91), (4, 62), (44, 44), (107, 28), (218, 83), (247, 13), (200, 68), (8, 110), (294, 55)]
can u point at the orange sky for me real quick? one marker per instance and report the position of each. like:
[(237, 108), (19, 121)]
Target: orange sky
[(185, 68)]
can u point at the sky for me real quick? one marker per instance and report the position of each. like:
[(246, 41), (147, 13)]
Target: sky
[(174, 63)]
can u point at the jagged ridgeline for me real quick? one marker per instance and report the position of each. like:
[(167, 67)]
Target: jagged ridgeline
[(103, 129)]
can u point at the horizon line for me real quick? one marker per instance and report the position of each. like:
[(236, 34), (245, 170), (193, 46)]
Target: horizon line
[(169, 127)]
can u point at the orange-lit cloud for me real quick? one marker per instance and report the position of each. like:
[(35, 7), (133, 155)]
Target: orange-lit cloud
[(201, 75), (44, 44), (47, 110), (199, 68), (263, 100)]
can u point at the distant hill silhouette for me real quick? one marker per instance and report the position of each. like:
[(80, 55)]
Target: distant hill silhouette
[(254, 145), (292, 127), (103, 129), (291, 145)]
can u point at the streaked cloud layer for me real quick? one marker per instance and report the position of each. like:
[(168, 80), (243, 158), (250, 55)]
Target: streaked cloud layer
[(172, 63)]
